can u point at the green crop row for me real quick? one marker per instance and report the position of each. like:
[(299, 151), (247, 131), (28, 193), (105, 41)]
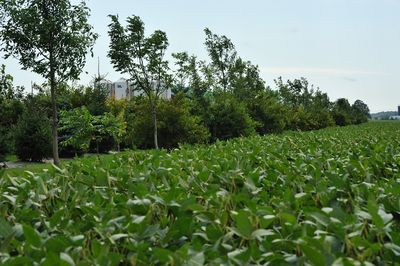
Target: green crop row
[(321, 198)]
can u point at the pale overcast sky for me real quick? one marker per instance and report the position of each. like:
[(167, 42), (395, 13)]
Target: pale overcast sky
[(348, 48)]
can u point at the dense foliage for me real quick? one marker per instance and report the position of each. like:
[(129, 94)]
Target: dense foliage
[(80, 129), (11, 108), (175, 124), (143, 58), (228, 118), (33, 135), (324, 197), (50, 38), (213, 100)]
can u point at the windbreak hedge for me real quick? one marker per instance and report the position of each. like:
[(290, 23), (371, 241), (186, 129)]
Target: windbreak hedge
[(324, 197)]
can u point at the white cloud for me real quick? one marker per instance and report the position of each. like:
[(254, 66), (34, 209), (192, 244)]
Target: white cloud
[(319, 71)]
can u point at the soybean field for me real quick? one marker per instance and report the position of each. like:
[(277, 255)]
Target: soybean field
[(300, 198)]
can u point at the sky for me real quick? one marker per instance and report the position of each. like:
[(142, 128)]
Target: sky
[(347, 48)]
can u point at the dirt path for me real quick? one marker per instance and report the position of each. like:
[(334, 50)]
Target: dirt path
[(12, 165)]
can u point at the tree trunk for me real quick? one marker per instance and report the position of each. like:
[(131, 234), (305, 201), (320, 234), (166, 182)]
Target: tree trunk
[(154, 112), (53, 85)]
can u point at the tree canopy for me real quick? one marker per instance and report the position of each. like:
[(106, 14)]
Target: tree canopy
[(142, 58), (51, 38)]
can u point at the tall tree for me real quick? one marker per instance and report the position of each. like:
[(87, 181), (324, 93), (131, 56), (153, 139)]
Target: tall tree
[(342, 112), (295, 93), (6, 84), (49, 37), (245, 80), (11, 107), (190, 74), (142, 58), (360, 112), (223, 57)]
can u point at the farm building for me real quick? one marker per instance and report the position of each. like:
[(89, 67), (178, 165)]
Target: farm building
[(396, 117), (123, 89)]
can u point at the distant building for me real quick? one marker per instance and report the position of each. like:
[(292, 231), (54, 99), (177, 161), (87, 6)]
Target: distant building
[(120, 89), (123, 89), (396, 117)]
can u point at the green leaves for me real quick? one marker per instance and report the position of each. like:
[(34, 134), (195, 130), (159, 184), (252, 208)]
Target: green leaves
[(79, 128), (379, 216), (313, 255), (76, 127), (32, 237), (34, 31), (142, 58), (239, 202), (243, 225), (5, 229)]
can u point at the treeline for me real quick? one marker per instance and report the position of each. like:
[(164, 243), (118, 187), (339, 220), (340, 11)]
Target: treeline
[(200, 111), (218, 99)]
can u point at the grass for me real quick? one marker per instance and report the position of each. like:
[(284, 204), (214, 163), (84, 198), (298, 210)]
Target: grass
[(40, 167), (11, 158), (32, 167)]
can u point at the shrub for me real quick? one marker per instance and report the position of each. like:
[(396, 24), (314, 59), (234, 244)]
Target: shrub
[(342, 112), (360, 112), (4, 143), (81, 132), (268, 113), (299, 118), (7, 141), (33, 136), (322, 118), (227, 118), (10, 110), (75, 130), (108, 131), (176, 125)]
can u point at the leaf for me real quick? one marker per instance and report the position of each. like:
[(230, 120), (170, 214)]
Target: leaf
[(77, 238), (269, 217), (386, 217), (12, 199), (17, 261), (239, 256), (5, 229), (31, 236), (394, 248), (163, 256), (142, 202), (118, 236), (300, 195), (373, 211), (197, 260), (97, 248), (42, 186), (290, 218), (138, 219), (260, 233), (320, 218), (58, 169), (67, 258), (57, 244), (313, 255), (243, 224)]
